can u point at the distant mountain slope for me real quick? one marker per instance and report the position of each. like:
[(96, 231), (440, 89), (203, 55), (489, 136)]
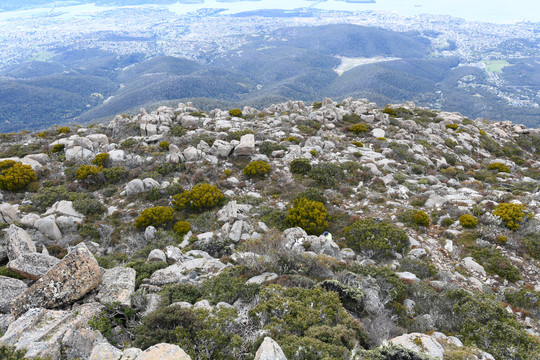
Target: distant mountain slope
[(83, 85)]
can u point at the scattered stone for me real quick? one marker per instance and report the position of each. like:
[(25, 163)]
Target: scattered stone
[(164, 352), (9, 289)]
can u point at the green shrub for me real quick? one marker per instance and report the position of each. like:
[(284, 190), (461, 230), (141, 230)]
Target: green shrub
[(47, 196), (159, 216), (128, 143), (531, 243), (420, 267), (58, 148), (312, 194), (235, 112), (421, 218), (327, 174), (309, 215), (351, 297), (357, 143), (115, 323), (300, 166), (6, 164), (257, 168), (452, 126), (101, 160), (512, 215), (447, 221), (237, 135), (201, 197), (499, 167), (524, 298), (64, 130), (115, 174), (88, 171), (468, 221), (181, 228), (317, 105), (145, 269), (480, 320), (352, 118), (390, 285), (390, 111), (450, 143), (494, 262), (178, 130), (164, 145), (228, 287), (201, 333), (180, 292), (268, 147), (87, 204), (358, 129), (17, 176), (376, 238)]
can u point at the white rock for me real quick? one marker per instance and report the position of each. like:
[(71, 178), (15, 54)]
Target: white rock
[(8, 214), (105, 351), (428, 345), (470, 265), (260, 279), (18, 242), (47, 226), (269, 350), (65, 208), (135, 186), (156, 255), (246, 145), (378, 133)]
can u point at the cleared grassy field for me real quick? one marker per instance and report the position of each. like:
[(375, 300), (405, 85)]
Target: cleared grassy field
[(496, 66)]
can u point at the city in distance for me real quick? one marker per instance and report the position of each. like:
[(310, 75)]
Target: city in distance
[(94, 59)]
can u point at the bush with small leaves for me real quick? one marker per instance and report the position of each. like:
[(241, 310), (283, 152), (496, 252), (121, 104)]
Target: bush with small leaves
[(499, 167), (468, 221), (268, 147), (58, 148), (115, 174), (309, 215), (181, 228), (64, 130), (101, 160), (512, 215), (145, 269), (358, 129), (317, 105), (235, 112), (376, 238), (164, 145), (201, 197), (257, 168), (495, 263), (357, 143), (12, 353), (312, 194), (237, 135), (327, 174), (16, 176), (159, 216), (300, 166), (421, 218), (452, 126), (86, 171)]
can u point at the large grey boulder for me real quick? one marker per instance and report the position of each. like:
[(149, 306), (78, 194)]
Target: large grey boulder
[(246, 146), (221, 148), (105, 351), (33, 265), (472, 266), (269, 350), (135, 186), (420, 343), (9, 289), (8, 214), (79, 343), (18, 242), (64, 208), (176, 272), (72, 278), (117, 285), (164, 352), (47, 226)]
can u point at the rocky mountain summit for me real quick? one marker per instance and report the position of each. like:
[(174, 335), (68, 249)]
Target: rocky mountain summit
[(302, 231)]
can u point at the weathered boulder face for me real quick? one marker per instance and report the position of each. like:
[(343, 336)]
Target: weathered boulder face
[(269, 350), (33, 265), (68, 281), (105, 351), (420, 343), (246, 146), (164, 352), (9, 289), (117, 285), (8, 214), (18, 242), (48, 333)]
